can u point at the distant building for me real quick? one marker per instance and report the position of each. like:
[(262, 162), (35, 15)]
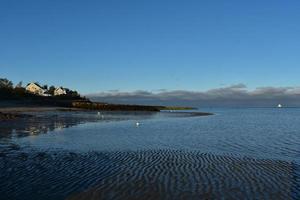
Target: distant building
[(60, 91), (35, 88)]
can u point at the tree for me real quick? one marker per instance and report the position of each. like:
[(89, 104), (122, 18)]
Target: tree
[(45, 87), (19, 92), (51, 90), (6, 89), (5, 83), (19, 85)]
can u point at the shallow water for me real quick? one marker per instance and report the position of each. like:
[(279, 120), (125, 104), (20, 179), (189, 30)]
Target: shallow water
[(234, 154)]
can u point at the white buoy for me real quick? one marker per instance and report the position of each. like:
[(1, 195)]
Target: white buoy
[(279, 106), (137, 123)]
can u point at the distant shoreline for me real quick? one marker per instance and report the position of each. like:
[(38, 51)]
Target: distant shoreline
[(84, 104)]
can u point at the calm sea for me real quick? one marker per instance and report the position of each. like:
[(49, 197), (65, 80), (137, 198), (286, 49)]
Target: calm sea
[(234, 154)]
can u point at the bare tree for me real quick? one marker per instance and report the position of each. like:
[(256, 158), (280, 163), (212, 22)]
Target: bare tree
[(19, 85), (5, 83)]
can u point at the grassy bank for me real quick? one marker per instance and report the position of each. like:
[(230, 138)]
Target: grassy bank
[(112, 107), (105, 106)]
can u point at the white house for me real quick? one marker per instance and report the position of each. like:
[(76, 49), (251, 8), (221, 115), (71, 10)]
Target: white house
[(36, 89), (60, 91)]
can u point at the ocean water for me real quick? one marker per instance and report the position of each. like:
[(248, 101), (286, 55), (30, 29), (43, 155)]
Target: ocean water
[(234, 154)]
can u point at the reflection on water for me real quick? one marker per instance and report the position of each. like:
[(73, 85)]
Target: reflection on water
[(50, 121)]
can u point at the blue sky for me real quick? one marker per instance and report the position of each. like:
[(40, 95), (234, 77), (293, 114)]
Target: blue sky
[(95, 46)]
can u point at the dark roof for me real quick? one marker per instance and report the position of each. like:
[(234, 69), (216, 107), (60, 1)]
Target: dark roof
[(35, 84), (60, 88)]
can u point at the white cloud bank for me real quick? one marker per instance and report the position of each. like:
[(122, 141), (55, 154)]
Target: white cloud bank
[(235, 95)]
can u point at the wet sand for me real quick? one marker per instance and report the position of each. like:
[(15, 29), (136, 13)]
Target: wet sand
[(157, 174)]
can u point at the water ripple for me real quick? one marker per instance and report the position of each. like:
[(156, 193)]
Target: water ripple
[(151, 174)]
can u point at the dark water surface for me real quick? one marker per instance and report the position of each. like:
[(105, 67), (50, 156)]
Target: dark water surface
[(234, 154)]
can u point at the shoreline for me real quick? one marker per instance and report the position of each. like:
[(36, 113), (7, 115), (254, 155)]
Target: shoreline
[(9, 113), (15, 109)]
